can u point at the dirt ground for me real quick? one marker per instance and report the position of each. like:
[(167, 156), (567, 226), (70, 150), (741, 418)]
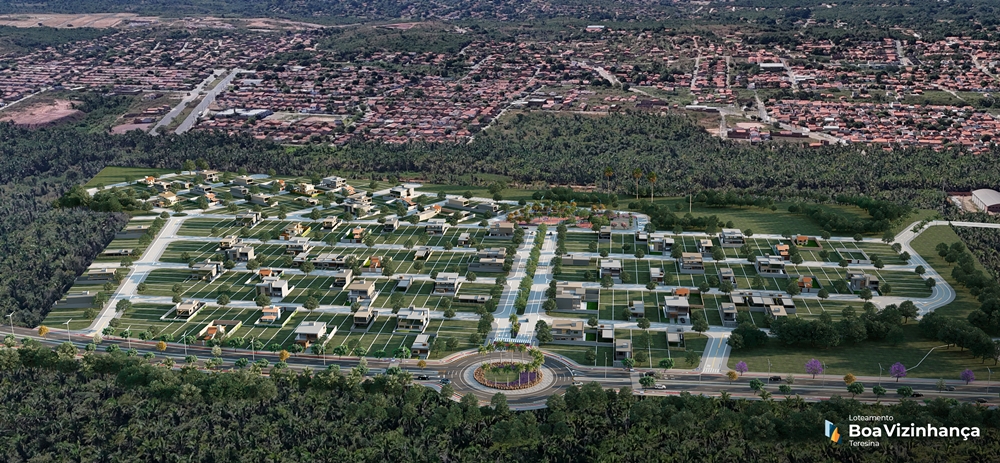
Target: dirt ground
[(100, 21), (120, 129), (41, 115)]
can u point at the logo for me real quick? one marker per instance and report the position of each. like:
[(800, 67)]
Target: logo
[(832, 432)]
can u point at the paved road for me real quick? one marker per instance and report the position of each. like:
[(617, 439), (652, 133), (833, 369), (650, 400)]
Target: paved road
[(177, 110), (205, 102)]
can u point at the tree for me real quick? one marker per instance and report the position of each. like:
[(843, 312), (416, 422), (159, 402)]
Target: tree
[(849, 379), (43, 330), (283, 355), (262, 300), (879, 391), (920, 270), (732, 376), (897, 370), (908, 310), (757, 385), (905, 391), (161, 346), (666, 364), (792, 288), (855, 389), (741, 367), (814, 367), (647, 381), (628, 362), (866, 294), (691, 358), (643, 323), (607, 281), (941, 385), (930, 282), (968, 376), (590, 356), (698, 322), (307, 267)]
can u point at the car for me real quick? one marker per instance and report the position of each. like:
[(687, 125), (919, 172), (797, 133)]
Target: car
[(445, 381), (981, 400), (422, 377), (578, 383), (917, 394), (774, 378), (950, 388), (661, 387), (631, 370), (649, 373)]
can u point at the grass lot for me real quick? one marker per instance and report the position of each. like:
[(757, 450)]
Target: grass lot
[(658, 349), (863, 359), (112, 175), (477, 191), (765, 220)]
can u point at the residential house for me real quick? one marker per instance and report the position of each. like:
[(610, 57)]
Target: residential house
[(229, 242), (332, 183), (269, 315), (421, 346), (501, 230), (656, 275), (770, 266), (208, 270), (761, 301), (705, 248), (675, 338), (180, 185), (659, 242), (309, 332), (611, 267), (361, 290), (575, 260), (330, 223), (372, 266), (677, 307), (806, 284), (269, 272), (641, 236), (623, 349), (273, 286), (782, 251), (573, 295), (240, 253), (293, 230), (565, 329), (413, 319), (428, 213), (188, 309), (801, 240), (343, 278), (239, 191), (401, 192), (858, 281), (437, 226), (606, 333), (363, 318), (248, 219), (488, 208), (329, 260), (356, 235), (243, 180), (297, 245), (446, 283), (202, 190), (261, 199), (731, 238), (726, 275), (162, 187), (457, 203), (691, 263), (491, 260), (728, 312), (300, 259), (604, 234), (776, 311), (219, 328), (358, 204), (166, 199), (464, 240), (390, 225), (305, 189), (637, 308)]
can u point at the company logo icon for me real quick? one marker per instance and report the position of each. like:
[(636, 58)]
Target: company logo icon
[(832, 432)]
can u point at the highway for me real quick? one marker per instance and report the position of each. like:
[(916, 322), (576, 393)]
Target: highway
[(457, 368)]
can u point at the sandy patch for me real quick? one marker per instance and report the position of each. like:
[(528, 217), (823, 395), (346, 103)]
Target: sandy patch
[(41, 115)]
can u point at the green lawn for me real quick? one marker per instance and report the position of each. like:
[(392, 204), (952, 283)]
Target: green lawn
[(964, 302), (112, 175)]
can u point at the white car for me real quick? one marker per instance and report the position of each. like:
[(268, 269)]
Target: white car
[(578, 383), (661, 387)]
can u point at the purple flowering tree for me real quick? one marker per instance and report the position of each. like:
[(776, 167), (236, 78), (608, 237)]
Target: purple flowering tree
[(814, 367), (741, 367), (968, 376), (897, 370)]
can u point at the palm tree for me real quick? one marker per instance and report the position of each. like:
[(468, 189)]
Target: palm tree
[(608, 173), (652, 181), (637, 174)]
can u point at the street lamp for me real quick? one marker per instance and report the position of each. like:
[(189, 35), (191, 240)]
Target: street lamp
[(253, 350), (129, 339), (769, 370), (605, 365), (67, 330), (879, 374), (11, 317), (824, 376), (988, 379), (185, 341)]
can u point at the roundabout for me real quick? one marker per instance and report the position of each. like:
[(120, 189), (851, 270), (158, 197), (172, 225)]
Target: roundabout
[(507, 376), (554, 375)]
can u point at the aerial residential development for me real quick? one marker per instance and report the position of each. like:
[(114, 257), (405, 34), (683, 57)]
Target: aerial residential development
[(488, 231)]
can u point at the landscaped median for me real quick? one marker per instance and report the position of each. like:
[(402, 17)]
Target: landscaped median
[(524, 289), (509, 375)]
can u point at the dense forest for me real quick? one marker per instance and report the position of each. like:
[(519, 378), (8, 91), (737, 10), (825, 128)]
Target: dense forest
[(45, 248), (23, 39), (111, 407)]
